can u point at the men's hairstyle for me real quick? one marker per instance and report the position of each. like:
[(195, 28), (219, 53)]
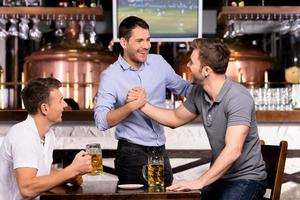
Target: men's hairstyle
[(37, 92), (213, 53), (130, 23)]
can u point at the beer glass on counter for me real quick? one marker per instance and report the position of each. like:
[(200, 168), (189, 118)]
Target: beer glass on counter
[(154, 172), (97, 162)]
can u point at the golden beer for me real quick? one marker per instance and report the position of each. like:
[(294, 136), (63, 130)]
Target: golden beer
[(156, 175), (95, 152), (97, 167)]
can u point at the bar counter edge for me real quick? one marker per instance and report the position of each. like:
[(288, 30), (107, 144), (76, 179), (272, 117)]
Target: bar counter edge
[(292, 116)]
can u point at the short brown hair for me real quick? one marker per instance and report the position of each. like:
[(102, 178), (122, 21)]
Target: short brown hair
[(37, 91), (213, 53), (130, 23)]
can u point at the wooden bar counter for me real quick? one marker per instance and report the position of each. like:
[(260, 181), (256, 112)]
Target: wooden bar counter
[(292, 116), (107, 190)]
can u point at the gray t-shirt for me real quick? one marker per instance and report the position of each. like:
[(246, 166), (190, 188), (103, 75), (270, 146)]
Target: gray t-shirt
[(233, 106)]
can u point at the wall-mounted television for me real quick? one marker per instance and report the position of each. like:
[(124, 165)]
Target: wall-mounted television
[(169, 20)]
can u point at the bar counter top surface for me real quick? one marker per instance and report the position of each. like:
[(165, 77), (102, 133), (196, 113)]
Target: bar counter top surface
[(88, 115), (105, 190)]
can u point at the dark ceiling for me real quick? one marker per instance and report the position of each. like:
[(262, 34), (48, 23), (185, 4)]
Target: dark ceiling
[(207, 4), (215, 4)]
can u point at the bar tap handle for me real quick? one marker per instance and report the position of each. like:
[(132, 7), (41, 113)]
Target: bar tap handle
[(240, 76), (91, 99), (184, 76), (22, 87), (1, 88), (68, 85), (266, 79)]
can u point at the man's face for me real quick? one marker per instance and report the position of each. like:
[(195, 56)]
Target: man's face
[(137, 47), (195, 66), (56, 106)]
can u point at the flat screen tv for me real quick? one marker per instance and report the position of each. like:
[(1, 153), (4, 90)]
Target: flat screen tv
[(169, 20)]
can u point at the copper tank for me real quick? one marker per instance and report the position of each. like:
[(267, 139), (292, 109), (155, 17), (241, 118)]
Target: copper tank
[(77, 66), (247, 64)]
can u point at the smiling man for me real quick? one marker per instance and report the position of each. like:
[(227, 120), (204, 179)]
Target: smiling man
[(26, 151), (138, 135)]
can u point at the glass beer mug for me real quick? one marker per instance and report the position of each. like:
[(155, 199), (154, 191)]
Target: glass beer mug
[(154, 171), (95, 152)]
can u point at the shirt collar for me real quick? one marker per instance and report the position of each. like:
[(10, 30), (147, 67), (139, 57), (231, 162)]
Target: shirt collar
[(226, 86), (32, 124), (125, 66), (30, 121)]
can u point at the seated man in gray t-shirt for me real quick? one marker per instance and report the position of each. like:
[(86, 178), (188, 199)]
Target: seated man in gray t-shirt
[(227, 109)]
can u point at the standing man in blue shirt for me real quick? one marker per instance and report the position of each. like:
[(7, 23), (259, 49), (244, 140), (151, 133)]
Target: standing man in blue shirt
[(138, 135)]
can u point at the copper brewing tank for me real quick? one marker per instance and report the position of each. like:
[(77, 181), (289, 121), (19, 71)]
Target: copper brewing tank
[(247, 63), (77, 67)]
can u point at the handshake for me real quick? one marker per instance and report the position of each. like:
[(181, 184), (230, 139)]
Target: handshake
[(136, 98)]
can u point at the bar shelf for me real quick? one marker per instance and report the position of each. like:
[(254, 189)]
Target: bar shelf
[(53, 13), (261, 12)]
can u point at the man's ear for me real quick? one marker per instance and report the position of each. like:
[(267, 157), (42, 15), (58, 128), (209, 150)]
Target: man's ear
[(123, 42), (44, 108), (207, 70)]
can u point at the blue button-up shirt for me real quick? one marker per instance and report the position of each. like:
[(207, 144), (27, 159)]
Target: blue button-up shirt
[(154, 75)]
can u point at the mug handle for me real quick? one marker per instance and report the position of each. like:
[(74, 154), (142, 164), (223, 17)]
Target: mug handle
[(144, 171)]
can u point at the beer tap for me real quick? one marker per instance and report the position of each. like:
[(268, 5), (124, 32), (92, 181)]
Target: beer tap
[(81, 38), (35, 33), (3, 32), (2, 106), (24, 28), (92, 32)]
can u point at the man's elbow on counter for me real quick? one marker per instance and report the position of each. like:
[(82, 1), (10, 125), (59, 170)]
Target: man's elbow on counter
[(101, 123), (173, 125), (100, 127), (27, 193)]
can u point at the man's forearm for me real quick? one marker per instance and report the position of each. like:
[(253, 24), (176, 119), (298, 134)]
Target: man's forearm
[(234, 141), (221, 165), (32, 187), (163, 116), (116, 116), (54, 170)]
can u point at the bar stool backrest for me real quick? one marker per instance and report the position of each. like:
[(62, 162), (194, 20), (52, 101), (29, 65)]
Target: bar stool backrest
[(274, 157)]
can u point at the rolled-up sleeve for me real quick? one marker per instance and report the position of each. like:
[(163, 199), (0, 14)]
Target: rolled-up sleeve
[(105, 100)]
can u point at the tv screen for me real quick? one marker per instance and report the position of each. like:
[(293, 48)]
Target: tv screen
[(169, 20)]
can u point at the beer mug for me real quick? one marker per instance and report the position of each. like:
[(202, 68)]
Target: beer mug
[(95, 152), (154, 171)]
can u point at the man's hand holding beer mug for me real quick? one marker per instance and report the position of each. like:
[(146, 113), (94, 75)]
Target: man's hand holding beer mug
[(80, 162), (93, 157)]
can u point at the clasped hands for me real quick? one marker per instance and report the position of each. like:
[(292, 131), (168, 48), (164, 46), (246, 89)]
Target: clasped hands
[(137, 97)]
